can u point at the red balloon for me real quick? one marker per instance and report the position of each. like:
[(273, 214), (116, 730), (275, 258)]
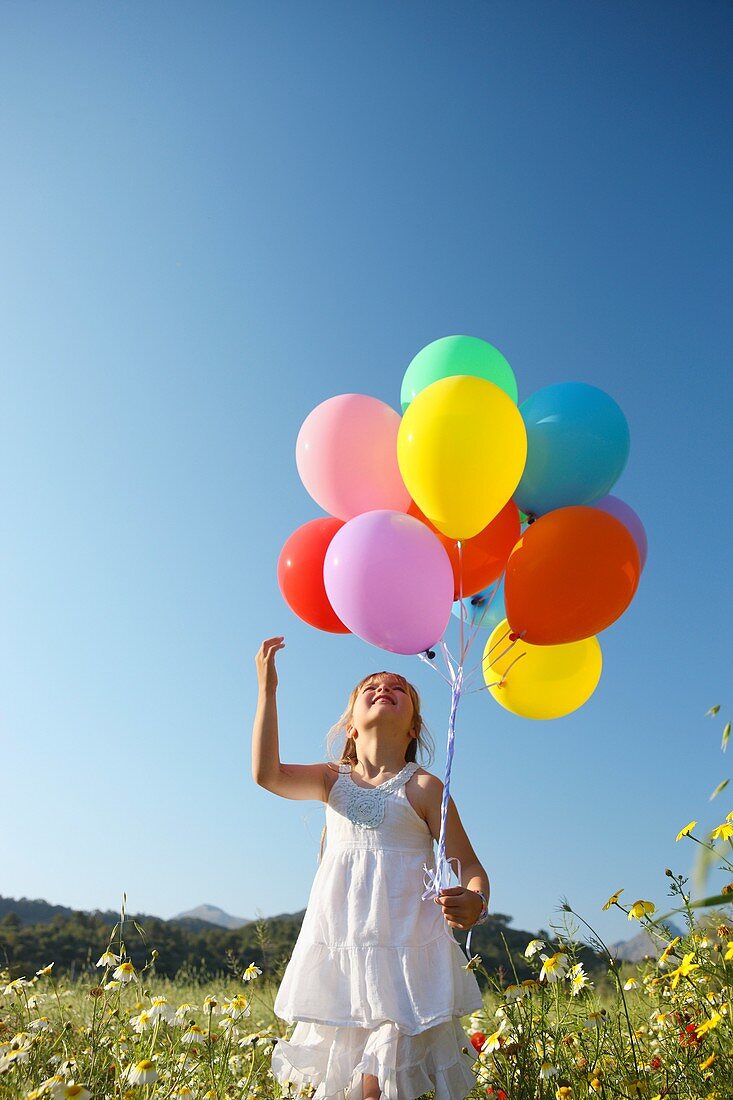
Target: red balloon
[(572, 573), (300, 574), (485, 555)]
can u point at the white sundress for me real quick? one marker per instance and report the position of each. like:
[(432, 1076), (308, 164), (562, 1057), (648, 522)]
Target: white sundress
[(376, 982)]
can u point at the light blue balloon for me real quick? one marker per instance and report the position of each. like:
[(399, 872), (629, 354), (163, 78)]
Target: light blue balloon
[(577, 446), (478, 611)]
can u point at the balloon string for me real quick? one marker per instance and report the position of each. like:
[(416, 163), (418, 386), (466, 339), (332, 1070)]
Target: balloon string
[(450, 661), (459, 544), (434, 667), (484, 611), (487, 656), (439, 878)]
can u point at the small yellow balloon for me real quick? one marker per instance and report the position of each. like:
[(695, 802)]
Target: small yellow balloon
[(461, 449), (540, 681)]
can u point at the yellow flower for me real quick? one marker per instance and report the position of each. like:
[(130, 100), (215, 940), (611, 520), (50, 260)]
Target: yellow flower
[(708, 1025), (142, 1073), (554, 967), (640, 909), (686, 831), (251, 972), (108, 959), (667, 951), (722, 832), (564, 1092), (729, 953), (193, 1034), (613, 899), (707, 1063), (46, 970), (631, 983), (125, 972), (684, 969)]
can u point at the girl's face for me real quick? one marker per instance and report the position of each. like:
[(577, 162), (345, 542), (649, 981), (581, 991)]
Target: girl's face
[(383, 703)]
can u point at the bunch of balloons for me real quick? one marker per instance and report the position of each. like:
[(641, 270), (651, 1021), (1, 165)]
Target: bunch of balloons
[(472, 504)]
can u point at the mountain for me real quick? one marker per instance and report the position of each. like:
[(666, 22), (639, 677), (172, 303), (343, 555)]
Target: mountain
[(212, 914), (642, 946)]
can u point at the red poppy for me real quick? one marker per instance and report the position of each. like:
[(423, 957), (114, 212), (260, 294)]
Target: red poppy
[(477, 1040)]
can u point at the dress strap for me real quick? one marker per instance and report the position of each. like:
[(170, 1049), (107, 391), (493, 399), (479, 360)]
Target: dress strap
[(344, 769)]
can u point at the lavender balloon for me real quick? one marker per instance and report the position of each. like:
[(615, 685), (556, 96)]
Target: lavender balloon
[(389, 579), (626, 514)]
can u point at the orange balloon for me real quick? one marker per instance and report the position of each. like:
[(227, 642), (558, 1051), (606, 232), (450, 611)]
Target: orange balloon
[(572, 573), (485, 555)]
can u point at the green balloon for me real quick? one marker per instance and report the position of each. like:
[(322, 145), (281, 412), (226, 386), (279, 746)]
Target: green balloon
[(453, 355)]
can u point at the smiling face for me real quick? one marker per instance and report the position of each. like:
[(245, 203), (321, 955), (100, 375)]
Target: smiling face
[(383, 702)]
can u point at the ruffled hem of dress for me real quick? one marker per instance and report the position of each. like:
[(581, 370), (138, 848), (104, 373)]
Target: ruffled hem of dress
[(415, 987), (333, 1059)]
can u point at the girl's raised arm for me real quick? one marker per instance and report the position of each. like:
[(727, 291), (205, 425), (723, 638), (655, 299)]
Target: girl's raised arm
[(289, 780)]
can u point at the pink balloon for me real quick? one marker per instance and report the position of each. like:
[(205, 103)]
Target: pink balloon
[(626, 514), (389, 579), (346, 455)]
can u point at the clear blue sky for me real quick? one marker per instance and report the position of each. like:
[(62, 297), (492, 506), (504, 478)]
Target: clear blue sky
[(213, 218)]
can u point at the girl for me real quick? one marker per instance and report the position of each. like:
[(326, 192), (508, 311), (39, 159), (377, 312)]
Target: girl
[(376, 982)]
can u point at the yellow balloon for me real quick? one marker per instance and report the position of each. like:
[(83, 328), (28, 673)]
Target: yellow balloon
[(540, 681), (461, 449)]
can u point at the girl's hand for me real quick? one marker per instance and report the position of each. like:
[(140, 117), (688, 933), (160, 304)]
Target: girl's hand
[(265, 662), (461, 907)]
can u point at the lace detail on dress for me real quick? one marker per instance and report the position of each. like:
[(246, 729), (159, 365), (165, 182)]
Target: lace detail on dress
[(365, 805)]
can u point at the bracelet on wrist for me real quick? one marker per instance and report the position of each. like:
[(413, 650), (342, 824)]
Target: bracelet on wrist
[(484, 914)]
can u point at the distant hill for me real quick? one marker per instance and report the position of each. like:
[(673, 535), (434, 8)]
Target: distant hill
[(212, 914), (642, 946)]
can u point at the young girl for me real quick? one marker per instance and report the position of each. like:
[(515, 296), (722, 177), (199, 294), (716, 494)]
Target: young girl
[(376, 982)]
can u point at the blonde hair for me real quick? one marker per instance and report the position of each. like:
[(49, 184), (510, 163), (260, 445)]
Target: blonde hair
[(346, 754)]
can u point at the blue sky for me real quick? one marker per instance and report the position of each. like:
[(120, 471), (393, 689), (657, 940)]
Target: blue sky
[(213, 218)]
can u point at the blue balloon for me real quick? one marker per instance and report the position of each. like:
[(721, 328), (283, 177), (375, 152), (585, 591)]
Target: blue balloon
[(481, 609), (577, 446)]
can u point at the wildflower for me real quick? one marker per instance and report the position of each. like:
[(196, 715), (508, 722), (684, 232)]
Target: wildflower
[(478, 1038), (16, 986), (595, 1019), (708, 1062), (210, 1004), (493, 1041), (473, 963), (142, 1073), (113, 984), (640, 909), (161, 1007), (547, 1070), (12, 1057), (686, 831), (722, 832), (236, 1008), (514, 993), (125, 972), (708, 1025), (630, 983), (729, 952), (564, 1092), (193, 1034), (656, 1062), (60, 1090), (661, 961), (578, 979), (144, 1022), (183, 1012), (554, 967), (613, 899), (689, 1037), (251, 972), (45, 971), (533, 947), (108, 959), (183, 1092), (684, 969)]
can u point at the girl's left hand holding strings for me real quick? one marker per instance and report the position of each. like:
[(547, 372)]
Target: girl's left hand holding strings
[(461, 907)]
